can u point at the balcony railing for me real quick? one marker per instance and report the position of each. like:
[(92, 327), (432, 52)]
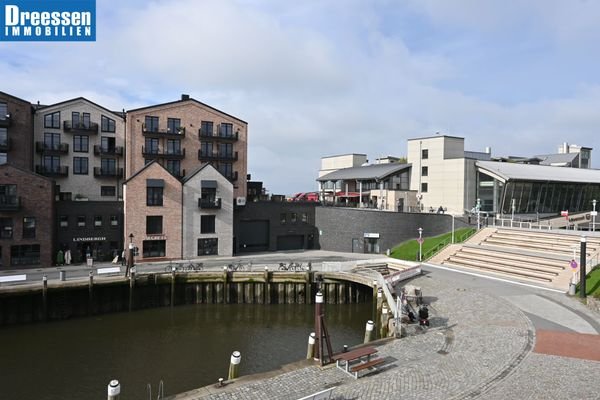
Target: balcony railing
[(160, 131), (52, 171), (90, 128), (100, 172), (5, 120), (5, 144), (173, 154), (178, 174), (209, 203), (108, 151), (220, 136), (50, 149), (206, 156), (9, 202)]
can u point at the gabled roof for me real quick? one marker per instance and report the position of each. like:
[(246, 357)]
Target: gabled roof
[(42, 108), (27, 171), (368, 172), (185, 101), (527, 172), (14, 97), (144, 168), (200, 168)]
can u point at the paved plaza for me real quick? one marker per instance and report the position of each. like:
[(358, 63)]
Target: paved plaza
[(481, 344)]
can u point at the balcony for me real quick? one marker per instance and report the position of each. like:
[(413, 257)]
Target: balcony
[(233, 176), (108, 151), (178, 174), (51, 149), (10, 202), (100, 172), (5, 120), (206, 156), (155, 131), (174, 154), (4, 144), (90, 128), (52, 171), (209, 203), (220, 136)]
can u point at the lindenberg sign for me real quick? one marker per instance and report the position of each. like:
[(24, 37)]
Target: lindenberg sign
[(48, 20)]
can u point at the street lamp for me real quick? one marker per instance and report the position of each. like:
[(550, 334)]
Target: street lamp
[(594, 215), (477, 208), (512, 208), (130, 258), (420, 243)]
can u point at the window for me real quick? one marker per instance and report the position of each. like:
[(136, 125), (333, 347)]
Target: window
[(304, 217), (6, 228), (173, 146), (282, 218), (226, 150), (108, 191), (206, 128), (3, 158), (226, 130), (173, 125), (75, 120), (209, 194), (294, 218), (80, 165), (51, 141), (63, 221), (424, 154), (28, 227), (107, 144), (154, 196), (207, 224), (154, 248), (80, 144), (81, 221), (208, 247), (154, 224), (226, 169), (51, 164), (84, 122), (424, 171), (64, 196), (114, 220), (98, 220), (3, 135), (8, 194), (107, 124), (52, 120), (151, 124), (206, 149), (3, 110), (151, 146), (108, 166), (424, 187), (28, 254), (174, 167)]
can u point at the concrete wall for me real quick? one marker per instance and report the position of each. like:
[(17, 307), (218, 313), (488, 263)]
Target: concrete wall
[(338, 226), (86, 186), (192, 191), (20, 131), (333, 163)]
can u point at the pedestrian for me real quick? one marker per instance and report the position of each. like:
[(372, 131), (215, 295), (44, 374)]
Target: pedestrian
[(123, 258), (60, 258), (68, 257)]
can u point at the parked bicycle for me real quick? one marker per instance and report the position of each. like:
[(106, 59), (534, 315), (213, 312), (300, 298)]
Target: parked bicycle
[(189, 267), (294, 267), (237, 267)]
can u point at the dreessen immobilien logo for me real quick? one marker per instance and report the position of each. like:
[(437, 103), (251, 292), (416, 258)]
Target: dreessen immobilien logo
[(48, 20)]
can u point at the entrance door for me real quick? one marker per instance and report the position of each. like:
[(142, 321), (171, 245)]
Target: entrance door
[(355, 246), (400, 205), (372, 245)]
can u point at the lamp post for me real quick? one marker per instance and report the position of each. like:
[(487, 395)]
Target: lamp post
[(582, 269), (594, 215), (130, 258), (420, 243), (477, 208), (512, 208)]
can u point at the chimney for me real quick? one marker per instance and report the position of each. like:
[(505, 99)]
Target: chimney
[(185, 97)]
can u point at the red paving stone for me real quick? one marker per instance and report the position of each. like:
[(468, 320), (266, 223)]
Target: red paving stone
[(576, 345)]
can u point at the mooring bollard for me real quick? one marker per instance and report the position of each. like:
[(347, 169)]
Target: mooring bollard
[(384, 321), (45, 296), (114, 390), (62, 275), (172, 287), (318, 313), (369, 329), (310, 351), (234, 365)]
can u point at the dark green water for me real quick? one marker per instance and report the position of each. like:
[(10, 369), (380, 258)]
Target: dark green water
[(186, 347)]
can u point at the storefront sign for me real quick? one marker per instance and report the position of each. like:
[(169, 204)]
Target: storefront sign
[(90, 239), (156, 237), (371, 235)]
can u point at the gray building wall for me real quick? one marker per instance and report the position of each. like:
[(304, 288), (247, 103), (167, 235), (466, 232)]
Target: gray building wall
[(338, 226)]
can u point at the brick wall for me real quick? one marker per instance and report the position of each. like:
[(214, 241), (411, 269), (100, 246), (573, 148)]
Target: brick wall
[(20, 132)]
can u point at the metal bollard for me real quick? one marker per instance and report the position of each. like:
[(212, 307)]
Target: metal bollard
[(310, 351), (62, 275), (234, 365), (114, 390), (369, 329)]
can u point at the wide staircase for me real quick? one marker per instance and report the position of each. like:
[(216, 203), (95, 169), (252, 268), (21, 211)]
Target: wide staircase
[(540, 257)]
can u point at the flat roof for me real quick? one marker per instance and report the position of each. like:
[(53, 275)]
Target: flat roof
[(437, 136), (347, 154), (528, 172), (375, 171)]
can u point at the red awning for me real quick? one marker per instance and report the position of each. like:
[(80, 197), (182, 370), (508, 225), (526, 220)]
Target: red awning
[(349, 194)]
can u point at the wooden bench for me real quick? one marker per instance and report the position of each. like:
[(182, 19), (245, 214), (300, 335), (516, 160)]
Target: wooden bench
[(369, 364)]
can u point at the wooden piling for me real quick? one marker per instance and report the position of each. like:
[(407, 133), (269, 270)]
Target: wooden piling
[(342, 293), (173, 287), (91, 293), (45, 297), (131, 285), (383, 329), (219, 293), (239, 289), (331, 289), (209, 293), (281, 293), (267, 287), (290, 295), (226, 289)]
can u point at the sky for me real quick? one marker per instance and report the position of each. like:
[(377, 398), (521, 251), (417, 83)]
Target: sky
[(325, 77)]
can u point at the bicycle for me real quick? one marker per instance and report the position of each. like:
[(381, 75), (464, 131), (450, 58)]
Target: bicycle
[(194, 267), (235, 267)]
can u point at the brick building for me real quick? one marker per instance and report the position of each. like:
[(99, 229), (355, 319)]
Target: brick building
[(182, 135), (153, 212), (16, 131), (26, 219)]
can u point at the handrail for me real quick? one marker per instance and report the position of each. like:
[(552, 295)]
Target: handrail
[(440, 246)]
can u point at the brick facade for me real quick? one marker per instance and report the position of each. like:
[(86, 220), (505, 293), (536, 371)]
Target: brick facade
[(20, 131), (36, 200), (191, 113), (136, 210)]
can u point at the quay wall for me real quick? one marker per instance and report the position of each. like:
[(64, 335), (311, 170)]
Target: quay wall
[(75, 299)]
